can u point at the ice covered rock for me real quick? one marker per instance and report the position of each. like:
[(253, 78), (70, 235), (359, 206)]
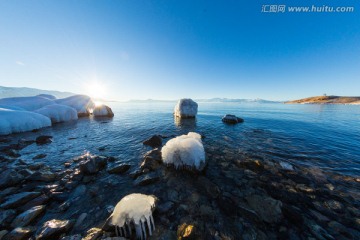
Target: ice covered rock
[(186, 108), (229, 118), (58, 113), (12, 121), (185, 151), (81, 103), (103, 111), (134, 210), (25, 103)]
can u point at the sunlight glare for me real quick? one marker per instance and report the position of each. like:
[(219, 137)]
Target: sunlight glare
[(96, 90)]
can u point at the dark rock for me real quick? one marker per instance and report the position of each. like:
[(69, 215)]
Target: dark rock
[(319, 232), (147, 179), (43, 140), (10, 152), (59, 196), (121, 168), (39, 156), (165, 207), (26, 217), (211, 189), (266, 207), (79, 224), (41, 200), (10, 178), (3, 233), (43, 176), (16, 200), (53, 229), (19, 233), (92, 164), (232, 119), (136, 173), (154, 142), (6, 217)]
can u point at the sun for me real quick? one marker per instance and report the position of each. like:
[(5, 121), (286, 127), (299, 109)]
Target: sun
[(96, 90)]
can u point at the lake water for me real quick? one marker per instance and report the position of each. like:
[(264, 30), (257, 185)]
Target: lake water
[(324, 136)]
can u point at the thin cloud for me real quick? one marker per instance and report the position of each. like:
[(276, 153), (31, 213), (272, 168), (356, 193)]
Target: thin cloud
[(20, 63)]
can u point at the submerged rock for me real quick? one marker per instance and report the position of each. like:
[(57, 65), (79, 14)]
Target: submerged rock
[(154, 142), (9, 178), (92, 164), (186, 108), (43, 140), (232, 119), (147, 179), (53, 228), (121, 168), (266, 207)]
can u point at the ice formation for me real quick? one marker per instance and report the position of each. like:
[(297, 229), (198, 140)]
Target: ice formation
[(134, 210), (186, 108), (58, 113), (26, 103), (81, 103), (103, 111), (12, 121), (185, 151)]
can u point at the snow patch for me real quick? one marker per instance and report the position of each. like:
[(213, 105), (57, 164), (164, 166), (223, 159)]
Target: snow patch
[(186, 108), (26, 103), (13, 121), (82, 104), (58, 113), (134, 209), (185, 151)]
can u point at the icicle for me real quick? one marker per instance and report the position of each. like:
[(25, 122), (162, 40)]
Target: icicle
[(117, 231), (152, 222), (149, 225), (143, 228), (138, 231)]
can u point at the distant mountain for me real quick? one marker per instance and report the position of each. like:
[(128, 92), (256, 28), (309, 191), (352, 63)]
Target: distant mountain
[(236, 100), (327, 100), (6, 92), (213, 100)]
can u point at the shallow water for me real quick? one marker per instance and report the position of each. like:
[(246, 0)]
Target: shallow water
[(325, 136)]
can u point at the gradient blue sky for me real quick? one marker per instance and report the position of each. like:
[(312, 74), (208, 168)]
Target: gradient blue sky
[(172, 49)]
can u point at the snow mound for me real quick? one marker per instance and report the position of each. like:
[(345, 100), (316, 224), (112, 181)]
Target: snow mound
[(134, 209), (186, 108), (58, 113), (103, 111), (185, 151), (81, 103), (13, 121), (26, 103)]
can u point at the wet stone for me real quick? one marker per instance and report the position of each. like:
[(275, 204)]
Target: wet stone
[(93, 234), (267, 208), (147, 179), (52, 229), (10, 178), (6, 217), (121, 168), (28, 216), (39, 156), (19, 233), (43, 140), (165, 207), (16, 200), (154, 141)]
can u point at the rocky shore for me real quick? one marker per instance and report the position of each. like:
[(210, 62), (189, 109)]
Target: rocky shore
[(234, 197)]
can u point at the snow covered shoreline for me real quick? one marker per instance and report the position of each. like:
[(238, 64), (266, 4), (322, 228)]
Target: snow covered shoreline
[(21, 114)]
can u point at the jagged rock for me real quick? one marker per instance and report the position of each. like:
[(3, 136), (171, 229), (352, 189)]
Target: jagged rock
[(41, 200), (43, 140), (53, 228), (6, 217), (147, 179), (19, 233), (43, 176), (268, 209), (92, 164), (26, 217), (10, 177), (186, 231), (154, 142), (16, 200), (232, 119), (92, 234), (121, 168)]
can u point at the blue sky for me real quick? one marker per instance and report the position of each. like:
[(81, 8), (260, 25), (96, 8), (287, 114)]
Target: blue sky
[(172, 49)]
